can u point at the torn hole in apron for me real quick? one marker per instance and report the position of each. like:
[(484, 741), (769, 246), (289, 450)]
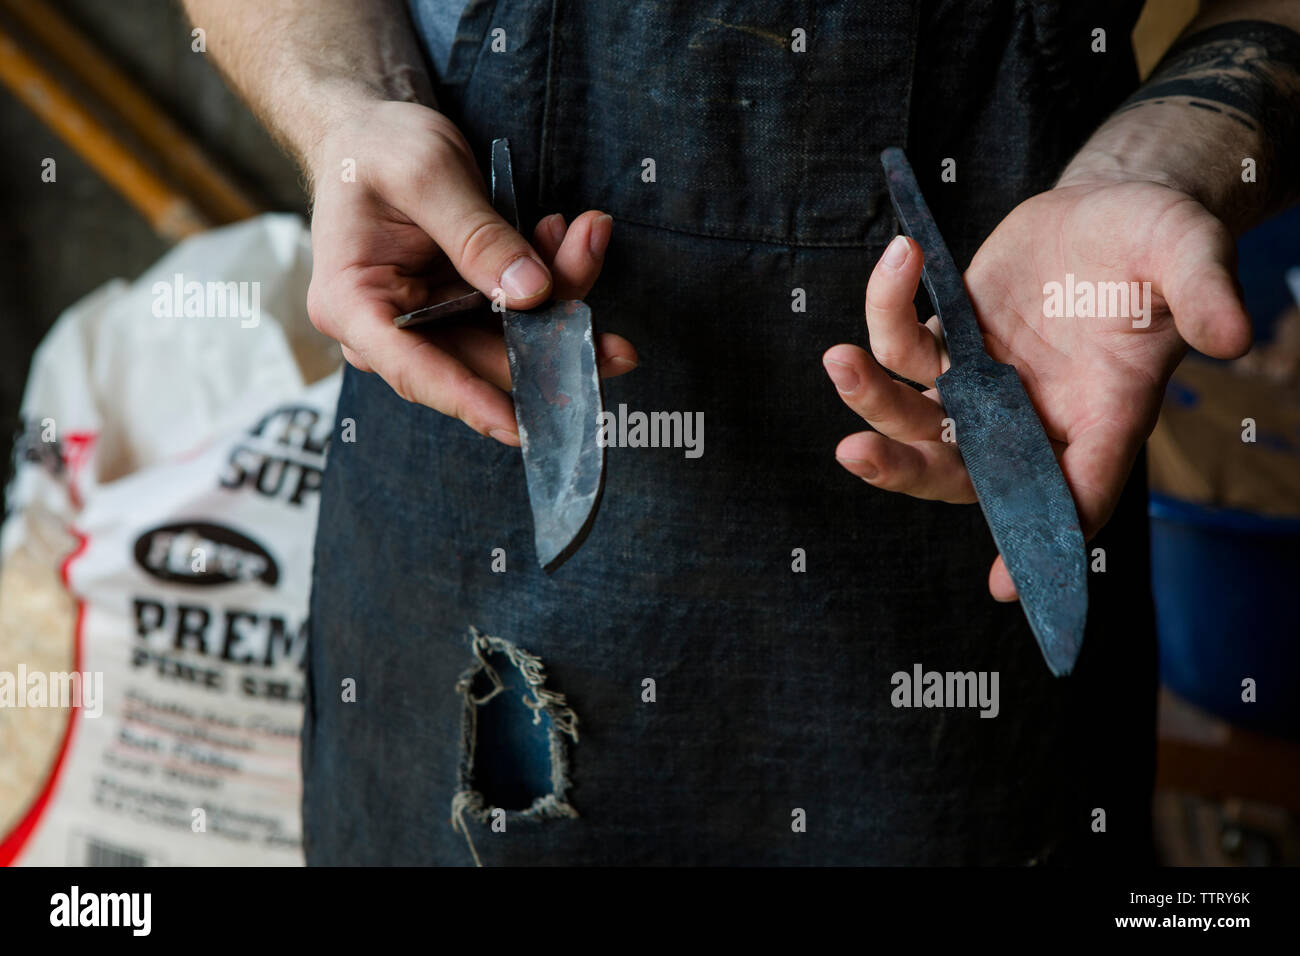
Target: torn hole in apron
[(514, 752)]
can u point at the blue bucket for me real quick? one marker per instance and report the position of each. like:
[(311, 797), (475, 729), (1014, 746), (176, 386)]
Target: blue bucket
[(1226, 586)]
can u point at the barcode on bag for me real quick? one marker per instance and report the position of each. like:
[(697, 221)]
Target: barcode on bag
[(102, 854)]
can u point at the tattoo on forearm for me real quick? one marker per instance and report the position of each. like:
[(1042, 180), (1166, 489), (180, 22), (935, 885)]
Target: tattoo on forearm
[(1247, 70)]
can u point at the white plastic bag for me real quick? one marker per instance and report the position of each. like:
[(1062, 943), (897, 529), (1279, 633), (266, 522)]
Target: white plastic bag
[(175, 431)]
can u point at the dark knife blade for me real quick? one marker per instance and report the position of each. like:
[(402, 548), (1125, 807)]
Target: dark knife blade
[(556, 389), (1017, 479), (558, 403)]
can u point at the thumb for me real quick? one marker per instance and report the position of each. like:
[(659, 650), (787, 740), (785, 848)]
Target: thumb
[(1197, 278), (487, 252)]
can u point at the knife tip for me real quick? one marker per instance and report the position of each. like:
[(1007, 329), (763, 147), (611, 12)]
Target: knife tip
[(551, 560), (556, 543), (1061, 665), (1061, 648), (1058, 627)]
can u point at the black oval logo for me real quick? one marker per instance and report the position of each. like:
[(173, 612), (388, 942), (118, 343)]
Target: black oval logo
[(195, 552)]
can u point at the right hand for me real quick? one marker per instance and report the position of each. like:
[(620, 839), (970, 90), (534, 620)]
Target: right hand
[(414, 223)]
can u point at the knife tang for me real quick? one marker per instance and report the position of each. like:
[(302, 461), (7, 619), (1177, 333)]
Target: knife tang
[(940, 274), (503, 183)]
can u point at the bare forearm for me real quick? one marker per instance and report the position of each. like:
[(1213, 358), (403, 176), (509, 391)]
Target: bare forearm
[(307, 67), (1219, 118)]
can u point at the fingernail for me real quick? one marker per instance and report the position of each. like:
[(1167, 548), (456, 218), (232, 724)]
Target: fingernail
[(555, 226), (601, 230), (524, 278), (861, 467), (895, 253), (844, 377), (504, 434), (620, 362)]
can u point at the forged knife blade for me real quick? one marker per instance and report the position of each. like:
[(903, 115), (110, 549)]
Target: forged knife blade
[(1017, 479), (557, 396), (556, 389)]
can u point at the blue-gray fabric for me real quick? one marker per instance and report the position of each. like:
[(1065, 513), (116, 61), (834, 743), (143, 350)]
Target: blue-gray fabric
[(772, 686), (435, 21)]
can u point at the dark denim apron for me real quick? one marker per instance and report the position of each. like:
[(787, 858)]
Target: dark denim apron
[(678, 693)]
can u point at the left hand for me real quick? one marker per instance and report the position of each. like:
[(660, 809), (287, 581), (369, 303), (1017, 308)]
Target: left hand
[(1096, 383)]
